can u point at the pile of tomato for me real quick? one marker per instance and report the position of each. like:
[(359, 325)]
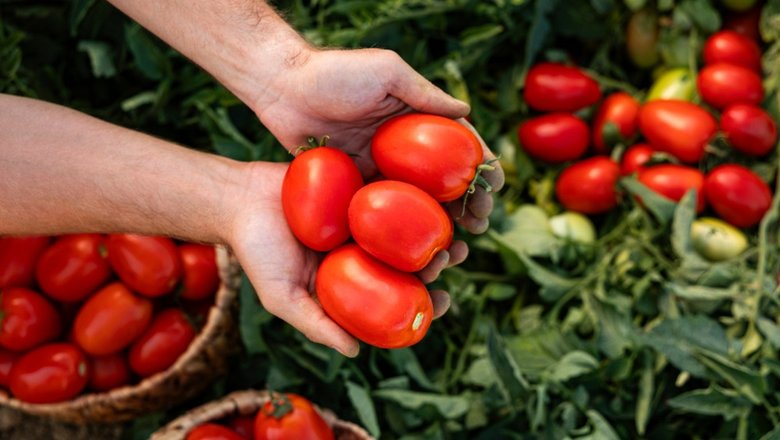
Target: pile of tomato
[(93, 312)]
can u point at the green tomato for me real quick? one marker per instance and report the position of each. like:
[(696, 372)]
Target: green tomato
[(717, 240), (573, 226), (739, 5), (677, 83)]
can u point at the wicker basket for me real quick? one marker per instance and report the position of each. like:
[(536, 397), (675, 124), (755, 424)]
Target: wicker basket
[(246, 403), (206, 359)]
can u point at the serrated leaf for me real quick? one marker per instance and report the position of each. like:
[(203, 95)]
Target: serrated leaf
[(746, 381), (661, 207), (711, 402), (449, 407), (573, 364), (682, 340), (364, 406)]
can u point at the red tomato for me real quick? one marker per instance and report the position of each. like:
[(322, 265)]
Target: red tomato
[(290, 416), (745, 23), (7, 360), (372, 301), (620, 109), (380, 224), (749, 129), (162, 343), (733, 48), (434, 153), (553, 87), (737, 195), (73, 267), (50, 373), (679, 128), (200, 276), (108, 372), (149, 265), (18, 256), (588, 186), (673, 181), (635, 158), (721, 85), (555, 137), (316, 192), (243, 425), (213, 431), (111, 320), (28, 319)]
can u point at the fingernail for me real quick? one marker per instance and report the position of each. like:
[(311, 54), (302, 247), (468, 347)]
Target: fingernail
[(353, 352)]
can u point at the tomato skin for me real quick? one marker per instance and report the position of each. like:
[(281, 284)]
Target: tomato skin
[(73, 267), (50, 373), (673, 181), (28, 319), (149, 265), (108, 372), (162, 343), (679, 128), (372, 301), (635, 158), (200, 275), (18, 256), (721, 85), (717, 240), (302, 422), (111, 320), (555, 137), (749, 129), (213, 431), (620, 109), (555, 87), (434, 153), (677, 83), (642, 38), (380, 224), (737, 195), (588, 186), (7, 360), (316, 191), (730, 47)]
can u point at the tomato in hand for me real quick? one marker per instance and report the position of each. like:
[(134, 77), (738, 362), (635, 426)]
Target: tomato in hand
[(108, 372), (149, 265), (27, 319), (588, 186), (673, 181), (162, 343), (18, 256), (555, 87), (289, 416), (679, 128), (434, 153), (73, 267), (749, 129), (555, 137), (730, 47), (635, 158), (200, 276), (50, 373), (7, 360), (372, 301), (737, 195), (213, 431), (619, 109), (721, 85)]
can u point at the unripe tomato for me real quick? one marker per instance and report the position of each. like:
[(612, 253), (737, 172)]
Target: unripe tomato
[(434, 153), (620, 109), (7, 360), (730, 47), (573, 226), (555, 137), (642, 38), (721, 85), (200, 275), (18, 256), (588, 186), (213, 431), (108, 372), (372, 301), (73, 267), (717, 240), (749, 129), (677, 83), (27, 319), (679, 128), (149, 265), (162, 343), (554, 87), (50, 373), (290, 416), (737, 195), (635, 158), (316, 191), (673, 181)]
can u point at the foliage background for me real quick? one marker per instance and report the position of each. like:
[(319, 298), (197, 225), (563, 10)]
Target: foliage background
[(632, 337)]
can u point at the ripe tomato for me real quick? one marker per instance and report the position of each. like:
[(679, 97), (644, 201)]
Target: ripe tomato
[(731, 47), (678, 83), (380, 224), (555, 137), (745, 23), (213, 431), (111, 320), (50, 373), (27, 319), (7, 360), (554, 87), (436, 154), (162, 343), (721, 85), (737, 195), (149, 265), (372, 301), (108, 372), (642, 38), (200, 276), (749, 129), (679, 128), (290, 416), (588, 186), (635, 158), (673, 181), (243, 425), (316, 191), (73, 267), (620, 109), (18, 256), (717, 240)]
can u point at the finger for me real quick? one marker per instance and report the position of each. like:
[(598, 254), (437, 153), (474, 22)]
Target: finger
[(441, 302), (495, 177), (430, 272), (480, 204), (458, 250), (467, 220)]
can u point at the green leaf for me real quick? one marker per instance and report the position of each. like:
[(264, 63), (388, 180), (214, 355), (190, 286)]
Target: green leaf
[(703, 14), (684, 215), (602, 429), (478, 34), (539, 30), (139, 100), (770, 330), (449, 407), (151, 61), (772, 435), (603, 6), (645, 397), (746, 381), (712, 402), (78, 10), (499, 291), (682, 340), (511, 381), (100, 58), (480, 373), (703, 293), (661, 207), (251, 317), (615, 331), (573, 364), (527, 230), (405, 360), (361, 401)]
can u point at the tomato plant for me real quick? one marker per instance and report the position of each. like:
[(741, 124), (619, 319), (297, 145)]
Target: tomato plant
[(27, 319), (722, 84), (737, 195), (749, 129), (213, 431), (555, 137), (673, 181), (200, 275), (588, 186), (73, 267), (677, 83), (679, 128), (642, 38), (50, 373), (149, 265), (717, 240), (731, 47), (635, 158), (108, 372), (289, 416), (555, 87), (619, 109), (167, 338), (18, 256)]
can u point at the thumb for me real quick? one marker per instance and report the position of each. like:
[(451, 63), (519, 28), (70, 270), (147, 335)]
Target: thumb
[(422, 95)]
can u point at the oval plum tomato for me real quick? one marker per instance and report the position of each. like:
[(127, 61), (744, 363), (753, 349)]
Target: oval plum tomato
[(721, 85), (316, 191), (642, 38), (717, 240), (27, 319), (555, 137), (673, 181), (73, 267), (635, 158), (731, 47), (111, 320), (436, 154), (7, 360), (749, 129), (619, 109), (200, 276), (149, 265), (213, 431), (18, 256), (588, 186), (737, 195), (50, 373), (244, 425), (372, 301), (108, 372), (162, 343), (679, 128), (554, 87), (678, 83), (289, 416), (380, 223)]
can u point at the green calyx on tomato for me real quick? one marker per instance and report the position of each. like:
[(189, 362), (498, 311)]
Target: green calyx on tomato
[(717, 240), (279, 407)]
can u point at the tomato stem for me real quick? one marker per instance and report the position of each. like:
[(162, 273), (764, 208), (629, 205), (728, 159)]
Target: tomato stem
[(478, 180), (280, 405)]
